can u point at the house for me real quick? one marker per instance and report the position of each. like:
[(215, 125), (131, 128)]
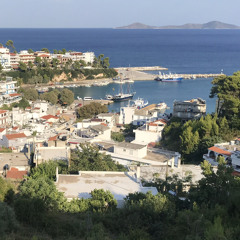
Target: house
[(101, 132), (15, 141), (189, 109), (131, 149), (50, 118), (214, 152), (111, 118), (16, 160), (120, 184), (150, 132), (4, 118), (149, 113)]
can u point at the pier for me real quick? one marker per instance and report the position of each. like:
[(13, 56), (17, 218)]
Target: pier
[(200, 75), (149, 68)]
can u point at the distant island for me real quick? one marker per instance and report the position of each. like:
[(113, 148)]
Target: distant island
[(209, 25)]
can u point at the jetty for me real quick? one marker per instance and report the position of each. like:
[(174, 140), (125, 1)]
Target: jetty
[(149, 68), (200, 75)]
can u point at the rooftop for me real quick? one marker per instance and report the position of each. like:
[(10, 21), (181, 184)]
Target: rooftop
[(15, 135), (120, 184), (130, 145), (220, 151)]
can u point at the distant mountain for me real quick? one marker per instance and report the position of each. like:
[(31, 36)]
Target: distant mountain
[(209, 25)]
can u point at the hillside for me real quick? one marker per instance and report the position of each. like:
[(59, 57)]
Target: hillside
[(209, 25)]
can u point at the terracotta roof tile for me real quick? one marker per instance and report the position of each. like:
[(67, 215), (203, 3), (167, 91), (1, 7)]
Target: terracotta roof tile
[(220, 151), (2, 111), (14, 173), (15, 135), (47, 117)]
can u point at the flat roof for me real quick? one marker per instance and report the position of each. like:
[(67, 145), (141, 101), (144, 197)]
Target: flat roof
[(130, 145), (120, 184)]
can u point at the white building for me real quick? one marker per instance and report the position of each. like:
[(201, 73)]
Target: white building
[(8, 86), (88, 57), (126, 115), (5, 57), (150, 132), (131, 149), (16, 141), (120, 184)]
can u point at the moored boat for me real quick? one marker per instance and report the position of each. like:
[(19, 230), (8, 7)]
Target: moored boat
[(168, 77)]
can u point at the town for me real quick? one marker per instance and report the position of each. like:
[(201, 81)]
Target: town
[(84, 153)]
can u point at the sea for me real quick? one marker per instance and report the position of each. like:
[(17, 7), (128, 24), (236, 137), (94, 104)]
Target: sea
[(181, 51)]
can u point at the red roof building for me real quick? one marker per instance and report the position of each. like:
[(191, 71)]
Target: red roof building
[(14, 173)]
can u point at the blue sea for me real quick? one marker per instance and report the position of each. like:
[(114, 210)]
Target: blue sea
[(181, 51)]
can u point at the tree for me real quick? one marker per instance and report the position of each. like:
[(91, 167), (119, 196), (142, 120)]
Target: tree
[(30, 65), (23, 103), (64, 51), (119, 137), (227, 89), (102, 201), (48, 169), (10, 44), (30, 50), (90, 159), (31, 94), (8, 222), (1, 67), (55, 51), (22, 66), (66, 97), (45, 50), (91, 110), (44, 189), (38, 60)]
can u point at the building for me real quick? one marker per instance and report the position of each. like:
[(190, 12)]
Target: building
[(131, 149), (126, 115), (45, 154), (149, 113), (120, 184), (26, 57), (8, 86), (100, 132), (5, 57), (189, 109), (14, 60), (150, 132), (4, 119), (15, 141)]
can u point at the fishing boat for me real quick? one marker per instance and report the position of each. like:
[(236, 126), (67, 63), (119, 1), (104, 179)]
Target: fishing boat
[(162, 77), (140, 103)]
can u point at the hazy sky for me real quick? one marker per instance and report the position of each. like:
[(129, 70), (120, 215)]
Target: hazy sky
[(114, 13)]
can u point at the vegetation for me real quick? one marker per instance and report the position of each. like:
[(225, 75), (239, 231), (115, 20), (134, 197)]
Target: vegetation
[(91, 110), (192, 138), (39, 211), (63, 97), (90, 159), (117, 136)]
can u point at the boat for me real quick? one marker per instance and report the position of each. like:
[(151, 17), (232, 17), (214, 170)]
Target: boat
[(109, 97), (122, 97), (162, 77), (140, 103), (161, 106)]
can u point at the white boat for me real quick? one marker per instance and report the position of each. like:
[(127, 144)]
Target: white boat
[(162, 106), (140, 103)]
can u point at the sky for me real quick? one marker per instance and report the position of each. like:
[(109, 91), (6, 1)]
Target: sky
[(114, 13)]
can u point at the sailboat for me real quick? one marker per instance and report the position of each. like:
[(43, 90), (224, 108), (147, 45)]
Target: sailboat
[(121, 96)]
